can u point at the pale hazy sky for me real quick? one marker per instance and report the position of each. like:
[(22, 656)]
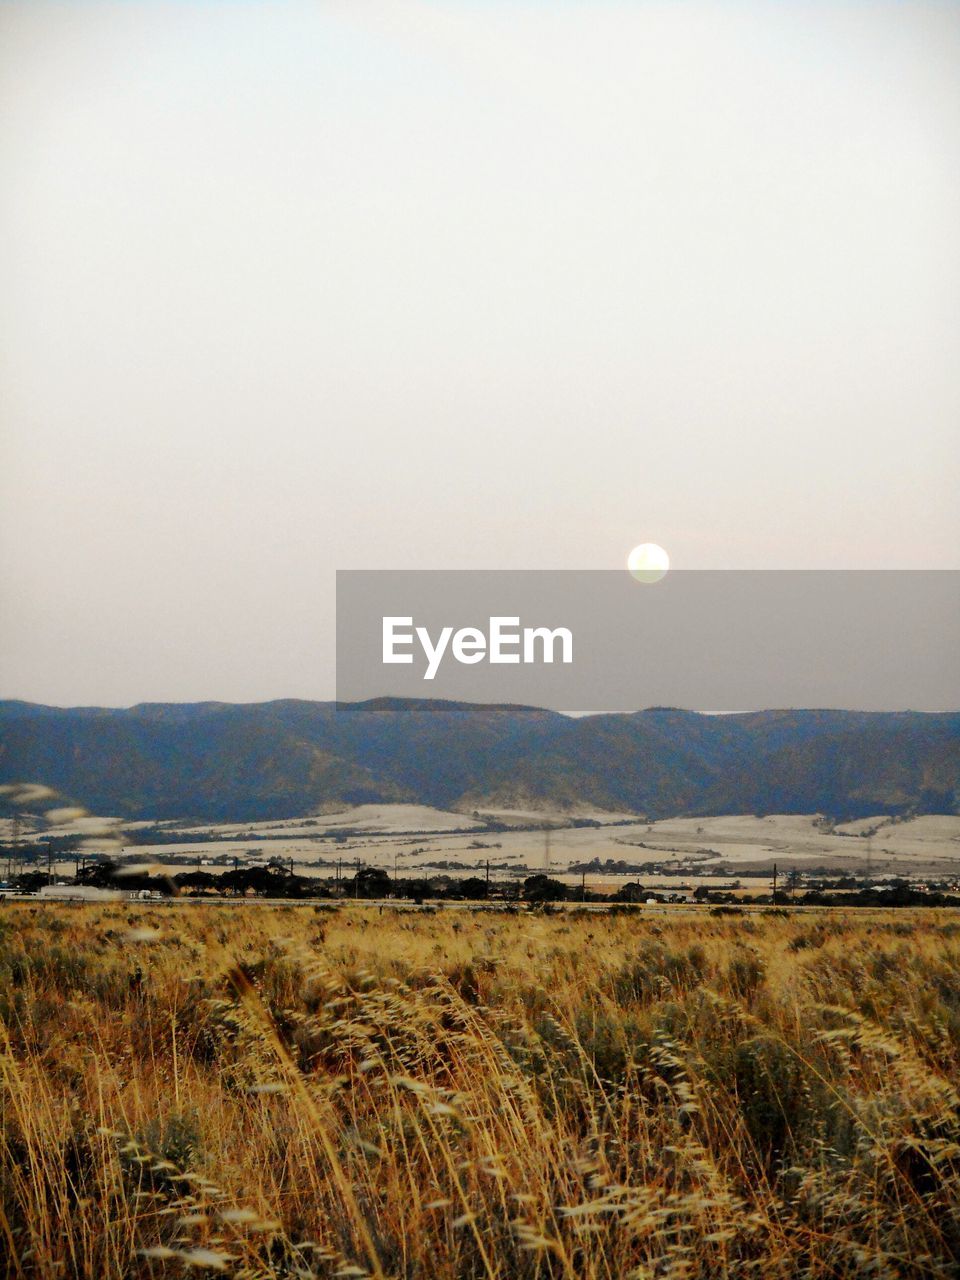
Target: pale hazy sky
[(286, 288)]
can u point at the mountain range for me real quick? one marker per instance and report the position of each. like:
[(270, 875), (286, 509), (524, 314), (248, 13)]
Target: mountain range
[(217, 761)]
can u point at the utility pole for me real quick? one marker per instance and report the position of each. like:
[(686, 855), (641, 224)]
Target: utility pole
[(774, 883), (488, 877), (16, 842)]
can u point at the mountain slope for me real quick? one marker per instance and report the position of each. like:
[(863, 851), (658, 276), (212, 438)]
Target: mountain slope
[(279, 759)]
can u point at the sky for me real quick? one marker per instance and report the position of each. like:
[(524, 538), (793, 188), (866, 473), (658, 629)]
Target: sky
[(290, 288)]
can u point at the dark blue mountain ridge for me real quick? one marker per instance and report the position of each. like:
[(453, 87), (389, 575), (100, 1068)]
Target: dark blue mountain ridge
[(219, 761)]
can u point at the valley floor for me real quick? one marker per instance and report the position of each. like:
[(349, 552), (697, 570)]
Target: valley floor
[(414, 840)]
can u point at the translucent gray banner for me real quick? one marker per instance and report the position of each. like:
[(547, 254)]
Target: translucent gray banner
[(600, 641)]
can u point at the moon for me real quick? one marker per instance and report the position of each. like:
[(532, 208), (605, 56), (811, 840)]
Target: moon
[(648, 562)]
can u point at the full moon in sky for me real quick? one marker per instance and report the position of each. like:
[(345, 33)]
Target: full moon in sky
[(648, 562)]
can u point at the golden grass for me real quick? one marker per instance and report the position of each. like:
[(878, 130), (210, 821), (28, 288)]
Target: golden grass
[(298, 1091)]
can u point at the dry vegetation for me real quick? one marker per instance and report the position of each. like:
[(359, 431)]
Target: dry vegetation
[(305, 1091)]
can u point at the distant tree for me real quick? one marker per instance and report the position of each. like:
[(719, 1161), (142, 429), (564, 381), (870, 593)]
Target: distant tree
[(32, 882), (97, 875), (372, 882), (633, 893), (258, 880), (198, 881), (418, 890), (474, 888), (541, 888), (108, 875)]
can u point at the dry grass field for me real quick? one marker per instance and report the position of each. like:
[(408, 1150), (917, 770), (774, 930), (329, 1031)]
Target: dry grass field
[(311, 1091)]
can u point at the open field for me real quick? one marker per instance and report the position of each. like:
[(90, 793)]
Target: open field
[(271, 1091), (416, 840)]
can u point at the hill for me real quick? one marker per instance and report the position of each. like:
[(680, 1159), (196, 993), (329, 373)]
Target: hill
[(216, 761)]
